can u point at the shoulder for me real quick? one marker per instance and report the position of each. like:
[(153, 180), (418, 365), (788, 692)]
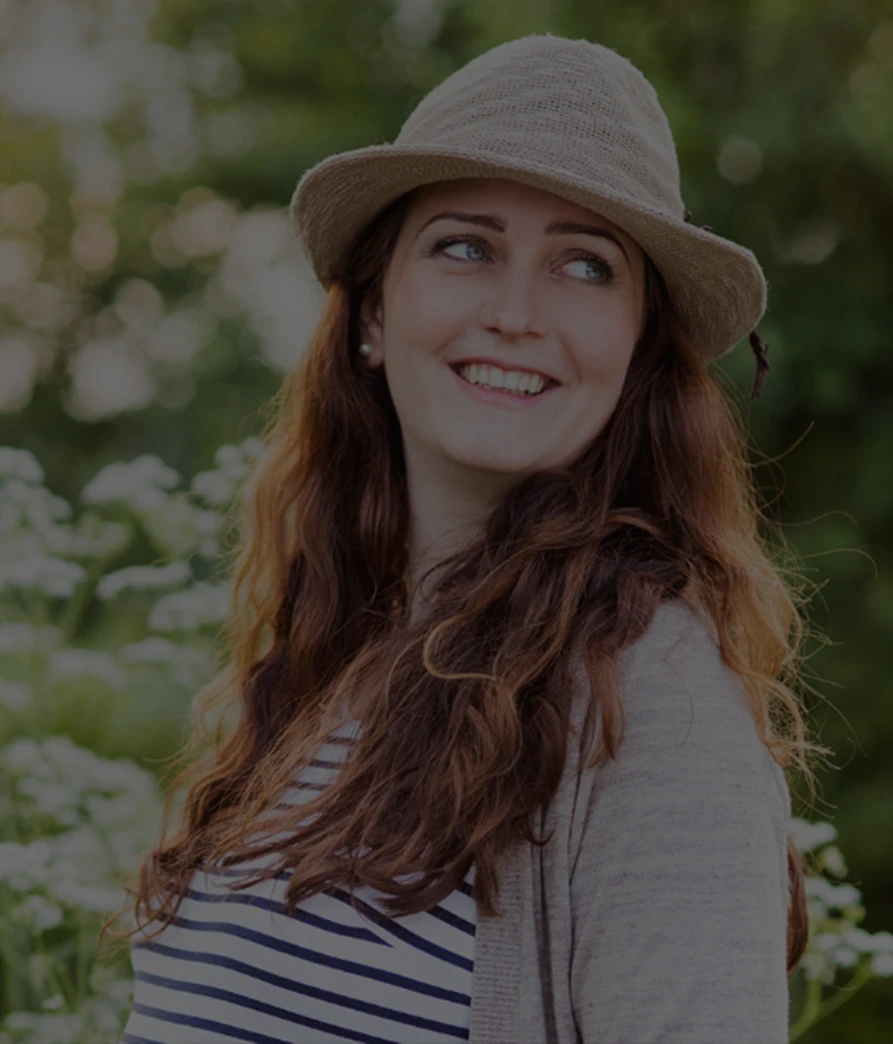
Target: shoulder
[(671, 671), (677, 650), (675, 630), (688, 729)]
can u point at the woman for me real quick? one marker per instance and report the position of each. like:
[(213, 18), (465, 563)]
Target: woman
[(445, 594)]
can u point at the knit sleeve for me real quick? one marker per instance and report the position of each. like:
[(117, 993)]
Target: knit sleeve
[(679, 885)]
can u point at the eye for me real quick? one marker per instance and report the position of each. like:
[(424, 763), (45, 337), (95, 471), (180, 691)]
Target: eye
[(592, 259), (441, 245), (475, 241)]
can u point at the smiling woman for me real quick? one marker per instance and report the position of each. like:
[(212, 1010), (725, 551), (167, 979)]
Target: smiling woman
[(527, 301), (508, 674)]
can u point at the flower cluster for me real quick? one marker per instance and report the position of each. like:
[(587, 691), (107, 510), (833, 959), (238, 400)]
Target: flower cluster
[(72, 822), (836, 943)]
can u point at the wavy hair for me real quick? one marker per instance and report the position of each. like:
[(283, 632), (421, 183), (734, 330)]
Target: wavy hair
[(465, 713)]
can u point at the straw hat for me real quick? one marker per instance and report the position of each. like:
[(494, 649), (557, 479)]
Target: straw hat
[(573, 118)]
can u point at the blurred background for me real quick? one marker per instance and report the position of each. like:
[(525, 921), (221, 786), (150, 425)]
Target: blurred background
[(152, 296)]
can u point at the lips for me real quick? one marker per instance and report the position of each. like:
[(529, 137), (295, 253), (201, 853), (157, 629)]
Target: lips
[(456, 367), (504, 400)]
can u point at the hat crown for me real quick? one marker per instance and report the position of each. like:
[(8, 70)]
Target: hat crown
[(570, 117), (573, 107)]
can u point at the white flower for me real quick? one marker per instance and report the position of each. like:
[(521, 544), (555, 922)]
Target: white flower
[(25, 637), (143, 578), (227, 456), (203, 603), (36, 503), (88, 771), (92, 898), (25, 868), (19, 463), (22, 756), (809, 836), (54, 1003), (57, 759), (55, 800), (238, 457), (31, 521), (185, 664), (92, 855), (825, 941), (150, 650), (234, 463), (140, 484), (882, 942), (87, 663), (112, 807), (214, 487), (93, 538), (816, 965), (13, 695), (180, 527), (109, 811), (831, 859), (845, 956), (46, 1029), (858, 938), (37, 914), (52, 576), (829, 895), (882, 964)]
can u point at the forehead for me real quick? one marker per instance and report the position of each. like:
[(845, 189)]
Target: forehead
[(504, 198)]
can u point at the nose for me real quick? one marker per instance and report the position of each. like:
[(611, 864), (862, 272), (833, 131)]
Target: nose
[(510, 306)]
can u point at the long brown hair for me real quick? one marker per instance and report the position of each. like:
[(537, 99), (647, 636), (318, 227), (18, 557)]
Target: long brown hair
[(465, 713)]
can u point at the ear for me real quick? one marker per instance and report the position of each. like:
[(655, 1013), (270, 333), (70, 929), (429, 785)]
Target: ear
[(371, 332)]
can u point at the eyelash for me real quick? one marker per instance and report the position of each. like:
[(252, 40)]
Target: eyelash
[(441, 244)]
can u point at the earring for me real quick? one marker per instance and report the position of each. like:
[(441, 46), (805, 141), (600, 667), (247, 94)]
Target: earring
[(365, 349)]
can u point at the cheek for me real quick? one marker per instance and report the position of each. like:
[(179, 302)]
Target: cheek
[(609, 342), (429, 305)]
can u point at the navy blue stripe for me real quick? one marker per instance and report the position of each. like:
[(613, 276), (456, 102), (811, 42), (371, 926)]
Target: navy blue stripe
[(242, 1001), (323, 923), (388, 924), (462, 924), (232, 1033), (384, 920), (218, 960), (317, 787), (243, 871), (322, 763), (314, 956), (309, 785)]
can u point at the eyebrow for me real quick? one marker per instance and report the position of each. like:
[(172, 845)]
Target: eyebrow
[(554, 228)]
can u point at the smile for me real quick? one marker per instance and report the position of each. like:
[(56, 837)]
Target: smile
[(498, 397)]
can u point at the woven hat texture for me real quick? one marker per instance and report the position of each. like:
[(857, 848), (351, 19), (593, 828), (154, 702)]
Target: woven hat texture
[(573, 118)]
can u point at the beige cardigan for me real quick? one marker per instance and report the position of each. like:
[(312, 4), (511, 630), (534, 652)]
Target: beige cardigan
[(657, 913)]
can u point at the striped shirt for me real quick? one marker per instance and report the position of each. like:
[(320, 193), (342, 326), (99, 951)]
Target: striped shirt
[(234, 966), (657, 911)]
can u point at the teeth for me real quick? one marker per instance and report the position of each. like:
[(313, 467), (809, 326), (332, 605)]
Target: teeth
[(513, 381)]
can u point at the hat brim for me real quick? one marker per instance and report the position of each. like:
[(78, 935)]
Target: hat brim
[(717, 286)]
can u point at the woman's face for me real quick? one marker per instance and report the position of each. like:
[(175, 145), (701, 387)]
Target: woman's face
[(566, 304)]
